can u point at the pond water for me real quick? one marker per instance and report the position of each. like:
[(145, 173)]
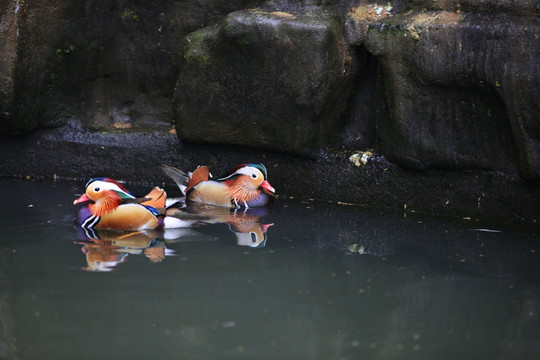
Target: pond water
[(325, 281)]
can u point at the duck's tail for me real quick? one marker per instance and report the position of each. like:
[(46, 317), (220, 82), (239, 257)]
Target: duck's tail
[(180, 178)]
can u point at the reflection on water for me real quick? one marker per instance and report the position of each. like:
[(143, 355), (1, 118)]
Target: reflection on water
[(106, 249), (315, 281), (246, 225)]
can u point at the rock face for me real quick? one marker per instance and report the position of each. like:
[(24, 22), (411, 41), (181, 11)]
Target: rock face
[(26, 48), (266, 79), (446, 87), (457, 88), (460, 90)]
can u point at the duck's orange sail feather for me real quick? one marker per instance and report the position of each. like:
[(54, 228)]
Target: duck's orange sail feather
[(199, 175), (156, 198)]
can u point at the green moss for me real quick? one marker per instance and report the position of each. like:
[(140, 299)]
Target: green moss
[(196, 53), (197, 36), (53, 78), (389, 29), (409, 73), (129, 15), (65, 51), (94, 46), (197, 46), (243, 40)]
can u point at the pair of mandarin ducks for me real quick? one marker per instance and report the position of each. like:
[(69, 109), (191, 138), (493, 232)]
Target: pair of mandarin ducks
[(109, 205)]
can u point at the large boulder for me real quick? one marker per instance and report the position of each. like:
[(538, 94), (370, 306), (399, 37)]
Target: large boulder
[(461, 89), (271, 80)]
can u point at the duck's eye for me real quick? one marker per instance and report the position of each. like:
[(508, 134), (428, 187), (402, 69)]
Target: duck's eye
[(97, 189), (254, 176)]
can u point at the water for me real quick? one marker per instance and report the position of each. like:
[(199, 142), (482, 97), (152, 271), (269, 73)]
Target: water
[(330, 282)]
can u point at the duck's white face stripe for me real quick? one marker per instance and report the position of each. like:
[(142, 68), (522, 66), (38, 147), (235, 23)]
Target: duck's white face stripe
[(97, 186), (250, 171), (246, 170)]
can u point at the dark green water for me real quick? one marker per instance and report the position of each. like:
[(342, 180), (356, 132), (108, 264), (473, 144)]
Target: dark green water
[(331, 282)]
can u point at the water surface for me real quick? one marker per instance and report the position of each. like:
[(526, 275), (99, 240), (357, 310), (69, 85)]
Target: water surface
[(327, 281)]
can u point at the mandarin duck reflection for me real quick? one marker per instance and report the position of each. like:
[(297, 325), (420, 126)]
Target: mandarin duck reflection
[(105, 249), (249, 232), (246, 186), (245, 225), (109, 205)]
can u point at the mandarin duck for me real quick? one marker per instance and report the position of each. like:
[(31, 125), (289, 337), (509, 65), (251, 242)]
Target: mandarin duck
[(244, 187), (109, 205)]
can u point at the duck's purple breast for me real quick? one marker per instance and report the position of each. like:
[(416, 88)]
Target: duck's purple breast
[(262, 200), (82, 215)]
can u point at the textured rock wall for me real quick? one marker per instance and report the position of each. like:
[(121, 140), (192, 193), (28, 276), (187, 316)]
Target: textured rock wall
[(457, 85), (27, 39), (104, 64), (461, 90)]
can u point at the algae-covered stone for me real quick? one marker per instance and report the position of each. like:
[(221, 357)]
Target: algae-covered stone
[(270, 80)]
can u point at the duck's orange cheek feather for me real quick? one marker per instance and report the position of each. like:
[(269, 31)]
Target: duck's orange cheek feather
[(128, 217)]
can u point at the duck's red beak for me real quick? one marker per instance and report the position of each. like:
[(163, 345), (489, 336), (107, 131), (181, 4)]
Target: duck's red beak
[(264, 227), (83, 198), (266, 185)]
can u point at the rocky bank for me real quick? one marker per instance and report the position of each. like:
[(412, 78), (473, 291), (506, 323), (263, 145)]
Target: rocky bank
[(429, 106)]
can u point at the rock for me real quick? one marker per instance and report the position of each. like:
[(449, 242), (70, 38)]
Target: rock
[(461, 91), (359, 19), (62, 60), (24, 72), (270, 80)]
